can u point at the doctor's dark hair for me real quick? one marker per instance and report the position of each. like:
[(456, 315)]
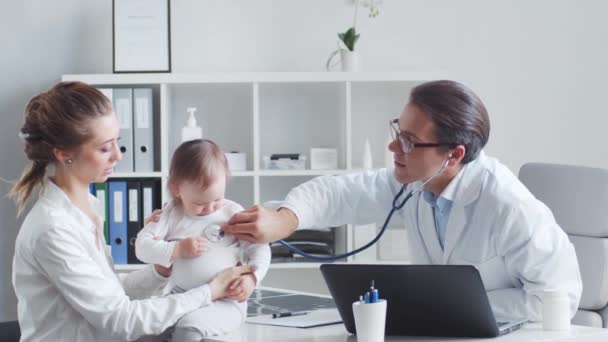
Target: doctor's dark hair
[(458, 115), (199, 161), (57, 118)]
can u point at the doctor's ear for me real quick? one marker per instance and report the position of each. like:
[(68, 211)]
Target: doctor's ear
[(456, 155)]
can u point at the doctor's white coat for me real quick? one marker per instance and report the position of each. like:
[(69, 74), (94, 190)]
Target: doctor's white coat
[(495, 224)]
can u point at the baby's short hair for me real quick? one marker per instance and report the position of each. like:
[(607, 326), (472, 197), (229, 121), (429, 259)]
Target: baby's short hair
[(199, 161)]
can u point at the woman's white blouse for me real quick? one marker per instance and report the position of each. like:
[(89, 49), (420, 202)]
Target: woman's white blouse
[(66, 286)]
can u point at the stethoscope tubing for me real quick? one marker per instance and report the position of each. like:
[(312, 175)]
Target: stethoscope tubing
[(396, 205)]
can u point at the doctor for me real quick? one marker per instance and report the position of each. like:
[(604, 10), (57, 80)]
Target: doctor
[(63, 275), (473, 211)]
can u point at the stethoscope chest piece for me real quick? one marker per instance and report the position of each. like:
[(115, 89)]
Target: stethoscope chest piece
[(214, 233)]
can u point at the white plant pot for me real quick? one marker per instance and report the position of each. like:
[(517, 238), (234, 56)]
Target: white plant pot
[(350, 60)]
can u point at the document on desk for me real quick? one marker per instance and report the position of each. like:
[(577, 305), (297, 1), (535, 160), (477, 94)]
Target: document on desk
[(296, 309), (314, 318)]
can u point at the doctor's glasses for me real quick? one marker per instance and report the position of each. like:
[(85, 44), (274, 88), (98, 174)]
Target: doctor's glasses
[(405, 142)]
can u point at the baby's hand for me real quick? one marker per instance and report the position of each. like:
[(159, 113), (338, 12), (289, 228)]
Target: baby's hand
[(242, 288), (190, 247)]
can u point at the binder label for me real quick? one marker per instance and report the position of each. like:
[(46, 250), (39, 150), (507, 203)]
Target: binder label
[(118, 207), (147, 202), (142, 112), (133, 205), (123, 109)]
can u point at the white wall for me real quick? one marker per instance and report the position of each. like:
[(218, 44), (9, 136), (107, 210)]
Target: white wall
[(538, 65)]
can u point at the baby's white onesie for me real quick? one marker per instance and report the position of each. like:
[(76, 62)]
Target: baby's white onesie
[(155, 244)]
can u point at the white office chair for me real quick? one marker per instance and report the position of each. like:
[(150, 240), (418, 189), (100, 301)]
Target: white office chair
[(578, 197)]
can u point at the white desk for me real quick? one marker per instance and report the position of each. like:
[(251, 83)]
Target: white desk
[(337, 333)]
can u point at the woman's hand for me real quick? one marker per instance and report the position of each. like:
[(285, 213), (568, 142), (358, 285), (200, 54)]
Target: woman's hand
[(220, 285), (242, 288), (262, 225), (163, 271), (154, 217)]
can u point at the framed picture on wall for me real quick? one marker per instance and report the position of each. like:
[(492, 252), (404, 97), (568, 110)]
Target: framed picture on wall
[(141, 36)]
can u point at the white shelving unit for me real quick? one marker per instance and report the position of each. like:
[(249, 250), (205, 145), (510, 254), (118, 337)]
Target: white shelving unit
[(277, 112)]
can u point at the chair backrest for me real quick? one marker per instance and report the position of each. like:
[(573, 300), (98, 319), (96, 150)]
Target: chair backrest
[(578, 198), (9, 331)]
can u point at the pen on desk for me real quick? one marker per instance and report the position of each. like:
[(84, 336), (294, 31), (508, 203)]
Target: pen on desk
[(289, 314)]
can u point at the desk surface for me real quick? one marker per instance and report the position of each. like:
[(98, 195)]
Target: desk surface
[(337, 333)]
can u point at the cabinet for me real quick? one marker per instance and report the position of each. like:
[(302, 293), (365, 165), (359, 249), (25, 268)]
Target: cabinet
[(280, 112)]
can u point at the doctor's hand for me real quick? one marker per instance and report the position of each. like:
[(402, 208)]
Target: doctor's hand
[(262, 225), (190, 248), (220, 285)]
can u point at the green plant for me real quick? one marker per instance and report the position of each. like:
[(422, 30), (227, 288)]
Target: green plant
[(349, 38)]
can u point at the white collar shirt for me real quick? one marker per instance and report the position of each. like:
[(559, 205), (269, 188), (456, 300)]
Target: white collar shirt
[(66, 286)]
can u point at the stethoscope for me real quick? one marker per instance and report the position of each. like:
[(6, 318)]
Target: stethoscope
[(214, 233), (397, 205)]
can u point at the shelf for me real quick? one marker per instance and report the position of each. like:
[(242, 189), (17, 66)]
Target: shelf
[(302, 172), (265, 113), (129, 267), (283, 265), (413, 75), (242, 173), (136, 175), (279, 266), (294, 265)]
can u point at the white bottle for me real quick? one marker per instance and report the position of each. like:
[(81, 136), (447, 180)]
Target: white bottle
[(191, 131), (368, 163), (556, 310)]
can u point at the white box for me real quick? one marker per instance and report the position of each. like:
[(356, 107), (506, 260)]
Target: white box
[(323, 158), (285, 163), (236, 161)]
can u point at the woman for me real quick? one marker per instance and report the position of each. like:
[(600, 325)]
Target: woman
[(63, 275)]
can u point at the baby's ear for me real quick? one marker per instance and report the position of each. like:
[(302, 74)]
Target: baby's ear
[(173, 189)]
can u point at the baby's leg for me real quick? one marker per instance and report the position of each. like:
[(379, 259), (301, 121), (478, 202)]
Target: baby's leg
[(219, 318)]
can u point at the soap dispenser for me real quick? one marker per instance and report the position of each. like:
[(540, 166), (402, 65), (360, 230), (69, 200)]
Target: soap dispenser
[(191, 131)]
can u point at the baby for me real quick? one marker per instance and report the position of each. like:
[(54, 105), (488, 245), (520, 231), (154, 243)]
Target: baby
[(187, 236)]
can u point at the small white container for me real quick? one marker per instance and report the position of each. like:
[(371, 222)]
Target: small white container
[(323, 158), (556, 310), (370, 320), (236, 161)]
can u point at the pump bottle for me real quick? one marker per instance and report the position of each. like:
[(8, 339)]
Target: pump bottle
[(191, 131)]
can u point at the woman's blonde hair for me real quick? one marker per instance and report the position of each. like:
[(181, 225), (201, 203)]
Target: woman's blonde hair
[(57, 118)]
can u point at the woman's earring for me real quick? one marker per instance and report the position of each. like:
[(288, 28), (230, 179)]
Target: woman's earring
[(69, 162)]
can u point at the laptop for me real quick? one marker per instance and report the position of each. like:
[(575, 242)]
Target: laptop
[(423, 300)]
